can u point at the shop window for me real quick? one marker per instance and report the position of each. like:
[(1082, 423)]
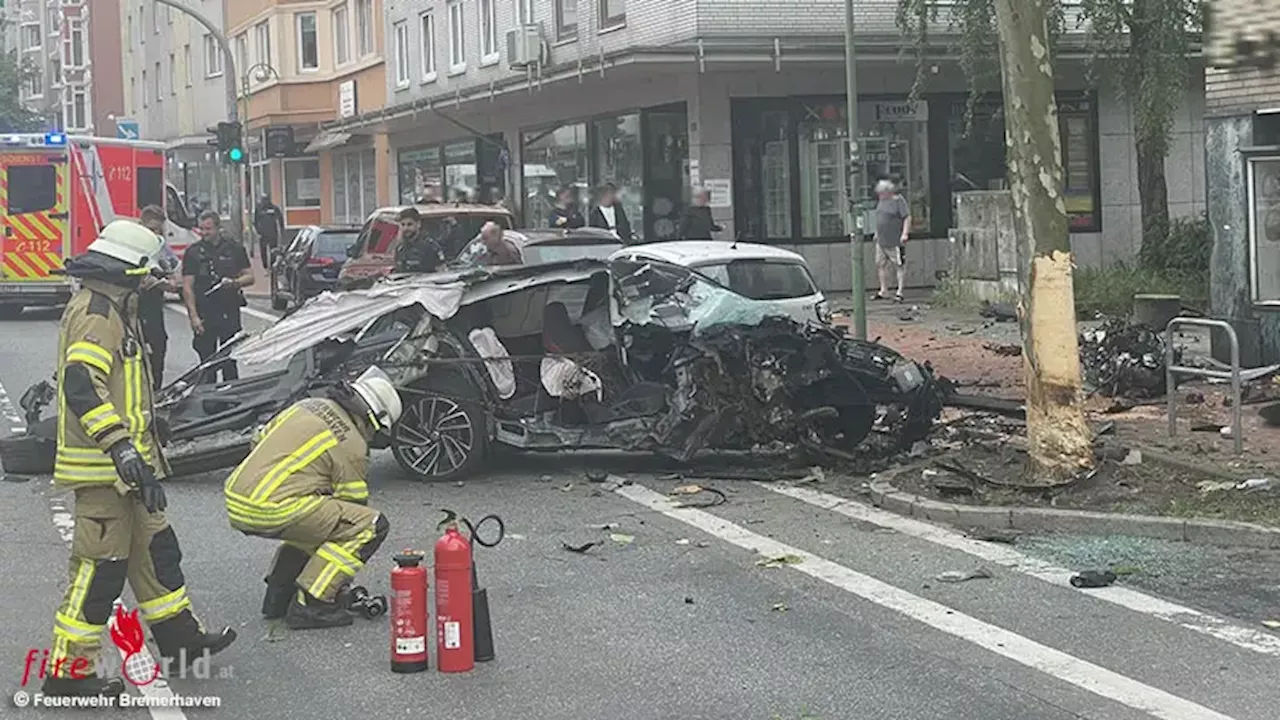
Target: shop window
[(553, 158), (775, 173), (460, 171), (301, 183), (1264, 227), (978, 155), (354, 187), (619, 159), (420, 172)]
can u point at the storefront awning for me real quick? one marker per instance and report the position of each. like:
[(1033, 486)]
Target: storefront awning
[(327, 141)]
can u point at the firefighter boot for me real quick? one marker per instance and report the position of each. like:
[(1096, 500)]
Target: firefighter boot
[(288, 564), (83, 687), (184, 639), (306, 612)]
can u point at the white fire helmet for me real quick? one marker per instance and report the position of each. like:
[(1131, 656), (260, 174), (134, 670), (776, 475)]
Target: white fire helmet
[(127, 241), (380, 396)]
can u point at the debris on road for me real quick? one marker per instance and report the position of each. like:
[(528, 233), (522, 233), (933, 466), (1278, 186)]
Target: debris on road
[(959, 576), (995, 535), (1093, 579), (605, 526), (1000, 312), (567, 488), (1133, 457), (779, 607), (622, 538), (688, 600), (1122, 359), (1212, 486), (780, 561), (580, 549), (1005, 349), (596, 476), (1255, 484), (1273, 624), (712, 498), (686, 490)]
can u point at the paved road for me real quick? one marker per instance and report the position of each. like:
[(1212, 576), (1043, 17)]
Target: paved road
[(683, 621)]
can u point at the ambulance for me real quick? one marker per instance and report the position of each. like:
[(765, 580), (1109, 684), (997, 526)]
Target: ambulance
[(56, 192)]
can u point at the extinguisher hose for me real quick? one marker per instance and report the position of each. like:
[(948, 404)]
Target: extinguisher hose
[(474, 531)]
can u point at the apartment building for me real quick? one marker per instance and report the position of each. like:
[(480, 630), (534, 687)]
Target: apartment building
[(175, 89), (75, 49), (1242, 151), (307, 63), (515, 98)]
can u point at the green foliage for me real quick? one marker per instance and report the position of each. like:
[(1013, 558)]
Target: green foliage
[(1185, 249), (1110, 290), (14, 73)]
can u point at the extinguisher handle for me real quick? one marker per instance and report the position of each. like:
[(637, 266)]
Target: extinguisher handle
[(474, 531)]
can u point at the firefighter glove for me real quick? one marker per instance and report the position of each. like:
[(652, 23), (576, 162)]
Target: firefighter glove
[(137, 474)]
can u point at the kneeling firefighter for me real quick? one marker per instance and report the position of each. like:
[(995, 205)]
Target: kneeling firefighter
[(304, 484), (108, 452)]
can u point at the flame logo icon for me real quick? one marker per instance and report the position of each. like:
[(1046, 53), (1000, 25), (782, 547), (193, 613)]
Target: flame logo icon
[(126, 633)]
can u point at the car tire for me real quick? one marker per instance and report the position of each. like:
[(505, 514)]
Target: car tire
[(443, 433)]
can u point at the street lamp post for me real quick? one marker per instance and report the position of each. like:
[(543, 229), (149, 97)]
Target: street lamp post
[(856, 186), (233, 115)]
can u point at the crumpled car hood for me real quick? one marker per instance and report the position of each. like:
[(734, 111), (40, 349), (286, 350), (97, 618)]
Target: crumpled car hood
[(332, 314)]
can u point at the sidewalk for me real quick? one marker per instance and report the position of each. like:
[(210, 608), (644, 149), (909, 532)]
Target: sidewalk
[(261, 287)]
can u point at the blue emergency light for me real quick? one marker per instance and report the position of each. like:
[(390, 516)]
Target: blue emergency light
[(55, 138)]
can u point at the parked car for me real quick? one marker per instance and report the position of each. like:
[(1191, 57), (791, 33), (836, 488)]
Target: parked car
[(452, 226), (539, 247), (310, 264), (779, 280)]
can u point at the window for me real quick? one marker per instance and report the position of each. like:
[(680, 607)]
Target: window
[(35, 85), (301, 183), (133, 95), (168, 14), (554, 158), (402, 54), (364, 27), (619, 159), (32, 188), (775, 169), (524, 12), (146, 92), (488, 33), (341, 35), (460, 171), (1263, 191), (54, 24), (186, 64), (149, 186), (31, 39), (155, 19), (159, 82), (128, 30), (212, 57), (242, 54), (612, 13), (262, 42), (355, 187), (77, 110), (428, 22), (420, 174), (762, 279), (74, 47), (308, 46), (173, 74), (566, 19), (457, 39)]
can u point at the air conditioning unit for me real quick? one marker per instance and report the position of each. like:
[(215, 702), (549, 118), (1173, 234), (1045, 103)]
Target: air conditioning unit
[(524, 46)]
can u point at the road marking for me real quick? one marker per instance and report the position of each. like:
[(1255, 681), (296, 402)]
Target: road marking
[(1204, 623), (64, 522), (12, 418), (251, 312), (1055, 663)]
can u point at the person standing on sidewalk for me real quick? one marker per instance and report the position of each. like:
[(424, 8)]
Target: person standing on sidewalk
[(215, 272), (608, 214), (697, 223), (151, 296), (268, 221), (893, 226), (565, 214)]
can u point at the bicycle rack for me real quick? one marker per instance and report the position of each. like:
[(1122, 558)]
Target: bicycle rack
[(1233, 373)]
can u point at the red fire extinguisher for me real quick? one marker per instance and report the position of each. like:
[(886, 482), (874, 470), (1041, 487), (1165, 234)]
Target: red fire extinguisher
[(455, 644), (409, 614)]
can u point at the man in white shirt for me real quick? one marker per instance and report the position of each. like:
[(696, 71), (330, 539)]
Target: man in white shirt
[(609, 215)]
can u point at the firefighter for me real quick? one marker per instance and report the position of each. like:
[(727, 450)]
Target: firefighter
[(304, 484), (109, 453)]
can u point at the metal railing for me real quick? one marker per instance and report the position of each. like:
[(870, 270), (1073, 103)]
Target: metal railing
[(1232, 374)]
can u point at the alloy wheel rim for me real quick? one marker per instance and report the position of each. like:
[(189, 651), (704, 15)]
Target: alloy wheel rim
[(435, 437)]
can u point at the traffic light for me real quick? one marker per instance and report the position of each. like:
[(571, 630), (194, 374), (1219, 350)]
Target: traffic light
[(227, 138)]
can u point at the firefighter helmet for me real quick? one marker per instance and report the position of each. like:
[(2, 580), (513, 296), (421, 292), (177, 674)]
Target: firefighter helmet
[(378, 393), (128, 241)]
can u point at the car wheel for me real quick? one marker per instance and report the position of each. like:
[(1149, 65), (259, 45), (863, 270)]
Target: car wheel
[(442, 433)]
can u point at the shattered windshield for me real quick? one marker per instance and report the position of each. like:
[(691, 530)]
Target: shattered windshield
[(680, 298)]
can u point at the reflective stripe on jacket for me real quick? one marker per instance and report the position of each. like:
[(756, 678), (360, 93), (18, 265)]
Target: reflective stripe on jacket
[(104, 386), (311, 451)]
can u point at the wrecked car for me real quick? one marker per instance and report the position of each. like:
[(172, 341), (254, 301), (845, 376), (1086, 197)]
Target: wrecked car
[(631, 354)]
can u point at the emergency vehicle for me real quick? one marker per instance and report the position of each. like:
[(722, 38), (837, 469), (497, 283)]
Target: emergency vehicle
[(57, 192)]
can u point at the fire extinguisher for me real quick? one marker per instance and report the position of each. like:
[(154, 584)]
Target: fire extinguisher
[(409, 614), (455, 646)]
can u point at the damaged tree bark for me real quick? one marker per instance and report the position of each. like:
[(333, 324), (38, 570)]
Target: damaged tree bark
[(1059, 441)]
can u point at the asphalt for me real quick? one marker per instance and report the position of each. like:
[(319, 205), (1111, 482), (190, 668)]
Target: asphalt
[(676, 618)]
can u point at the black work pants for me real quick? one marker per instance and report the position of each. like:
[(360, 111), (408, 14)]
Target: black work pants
[(159, 346), (265, 245), (219, 327)]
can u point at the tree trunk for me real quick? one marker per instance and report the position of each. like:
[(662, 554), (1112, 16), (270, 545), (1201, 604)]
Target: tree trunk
[(1060, 442), (1151, 142), (1153, 192)]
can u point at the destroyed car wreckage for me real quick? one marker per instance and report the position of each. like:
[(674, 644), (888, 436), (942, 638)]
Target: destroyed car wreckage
[(631, 354)]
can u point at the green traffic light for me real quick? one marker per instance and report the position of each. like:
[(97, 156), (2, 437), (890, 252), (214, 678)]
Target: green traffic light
[(235, 155)]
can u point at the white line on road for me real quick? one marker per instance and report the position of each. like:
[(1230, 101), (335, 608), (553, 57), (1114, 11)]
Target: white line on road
[(12, 418), (1055, 663), (1243, 637)]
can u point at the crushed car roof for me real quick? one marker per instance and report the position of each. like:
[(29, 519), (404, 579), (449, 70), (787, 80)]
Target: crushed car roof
[(696, 252)]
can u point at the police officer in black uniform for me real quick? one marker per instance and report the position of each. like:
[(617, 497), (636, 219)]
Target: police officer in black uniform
[(215, 272), (415, 251)]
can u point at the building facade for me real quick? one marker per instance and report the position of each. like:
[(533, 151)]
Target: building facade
[(175, 84), (1242, 137), (304, 64), (513, 99), (74, 47)]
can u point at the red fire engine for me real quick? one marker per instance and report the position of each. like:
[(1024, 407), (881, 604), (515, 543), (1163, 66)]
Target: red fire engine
[(57, 192)]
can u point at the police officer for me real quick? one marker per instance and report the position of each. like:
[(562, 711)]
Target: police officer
[(109, 454), (151, 296), (268, 221), (415, 251), (215, 272), (304, 484)]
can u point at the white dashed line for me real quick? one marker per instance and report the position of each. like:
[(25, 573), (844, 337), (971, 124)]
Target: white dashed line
[(1054, 663)]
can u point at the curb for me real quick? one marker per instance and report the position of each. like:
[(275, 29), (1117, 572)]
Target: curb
[(886, 496)]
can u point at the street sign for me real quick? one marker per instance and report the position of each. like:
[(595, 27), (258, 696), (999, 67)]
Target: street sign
[(127, 129)]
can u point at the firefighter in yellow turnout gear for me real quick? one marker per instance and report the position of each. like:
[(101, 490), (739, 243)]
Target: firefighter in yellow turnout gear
[(304, 484), (109, 453)]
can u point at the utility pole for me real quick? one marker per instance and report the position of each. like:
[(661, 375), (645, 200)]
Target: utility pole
[(236, 171), (856, 186)]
